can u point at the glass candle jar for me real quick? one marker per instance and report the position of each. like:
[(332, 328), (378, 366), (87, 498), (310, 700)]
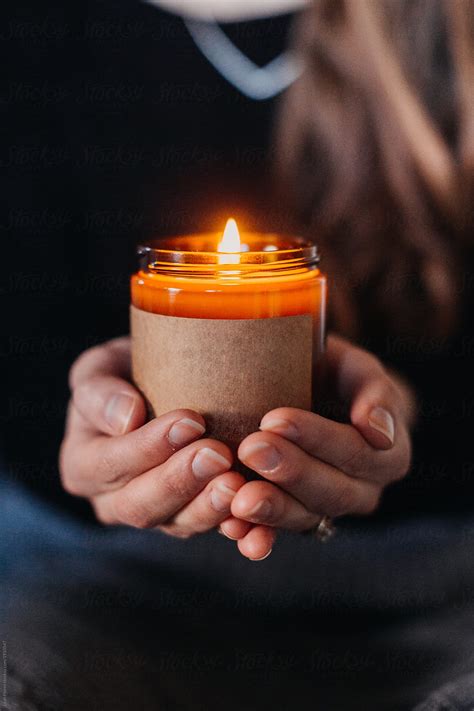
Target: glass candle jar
[(229, 334)]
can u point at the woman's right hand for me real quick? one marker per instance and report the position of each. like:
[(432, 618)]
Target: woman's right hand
[(157, 474)]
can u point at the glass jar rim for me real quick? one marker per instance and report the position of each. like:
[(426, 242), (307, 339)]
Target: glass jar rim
[(268, 249)]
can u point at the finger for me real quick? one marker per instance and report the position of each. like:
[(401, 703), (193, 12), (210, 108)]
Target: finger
[(109, 404), (373, 413), (263, 503), (101, 391), (208, 509), (340, 445), (151, 499), (234, 528), (258, 543), (330, 441), (375, 400), (93, 465), (348, 366), (319, 486)]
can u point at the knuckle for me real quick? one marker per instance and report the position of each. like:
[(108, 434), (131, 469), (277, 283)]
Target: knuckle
[(71, 485), (147, 443), (370, 501), (107, 469), (102, 513), (357, 461), (341, 501), (69, 478), (177, 532), (133, 513), (177, 487), (82, 392), (101, 516), (290, 475), (277, 514)]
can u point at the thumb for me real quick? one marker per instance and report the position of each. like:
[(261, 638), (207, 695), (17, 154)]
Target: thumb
[(110, 404), (373, 413)]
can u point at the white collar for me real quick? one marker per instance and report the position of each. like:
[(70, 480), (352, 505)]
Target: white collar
[(230, 10), (258, 83)]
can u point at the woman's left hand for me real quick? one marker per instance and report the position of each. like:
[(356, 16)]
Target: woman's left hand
[(313, 466)]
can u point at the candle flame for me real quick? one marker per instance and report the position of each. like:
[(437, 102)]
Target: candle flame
[(230, 243)]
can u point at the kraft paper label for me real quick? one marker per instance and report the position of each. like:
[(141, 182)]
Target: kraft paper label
[(231, 371)]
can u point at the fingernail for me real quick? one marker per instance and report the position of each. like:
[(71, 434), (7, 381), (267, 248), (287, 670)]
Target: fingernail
[(261, 456), (255, 560), (184, 431), (119, 410), (207, 463), (221, 497), (276, 424), (226, 535), (383, 422), (262, 511)]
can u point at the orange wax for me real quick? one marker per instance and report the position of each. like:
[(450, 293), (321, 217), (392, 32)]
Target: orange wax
[(183, 279), (197, 298)]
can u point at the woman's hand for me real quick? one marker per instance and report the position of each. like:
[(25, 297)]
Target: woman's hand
[(313, 466), (155, 475)]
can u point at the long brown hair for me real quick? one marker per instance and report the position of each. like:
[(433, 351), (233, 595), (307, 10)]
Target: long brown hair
[(376, 146)]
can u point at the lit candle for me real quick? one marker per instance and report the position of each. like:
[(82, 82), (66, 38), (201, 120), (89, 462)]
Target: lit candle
[(228, 326), (230, 244)]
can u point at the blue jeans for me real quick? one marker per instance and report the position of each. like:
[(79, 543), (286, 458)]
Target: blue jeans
[(117, 619)]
